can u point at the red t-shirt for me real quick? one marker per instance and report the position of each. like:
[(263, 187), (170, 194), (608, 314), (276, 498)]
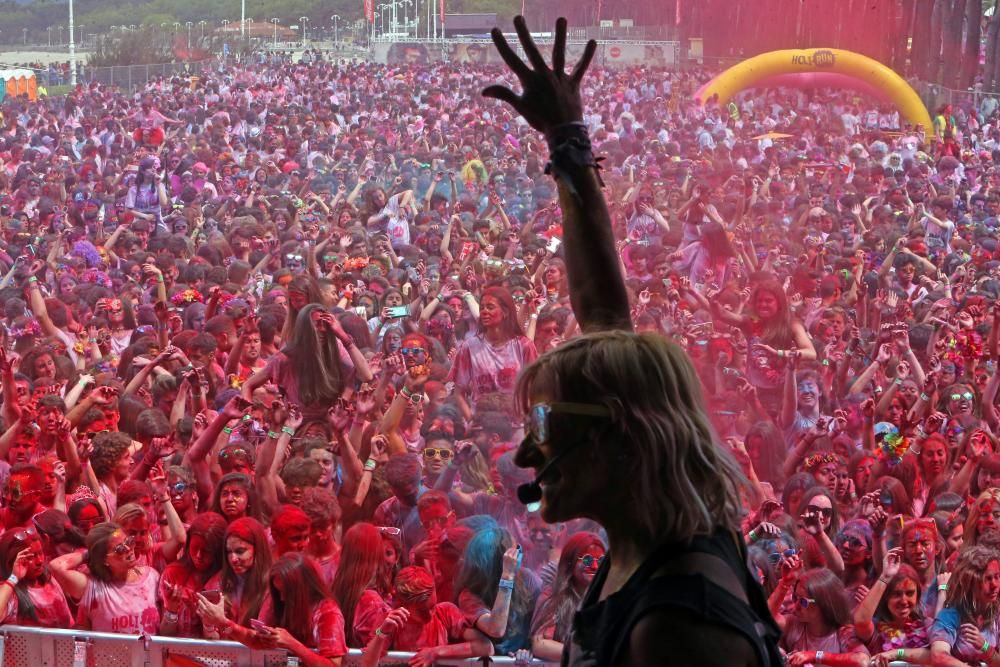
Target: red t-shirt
[(446, 626)]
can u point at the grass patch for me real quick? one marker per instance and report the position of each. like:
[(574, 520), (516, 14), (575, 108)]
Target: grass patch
[(55, 91)]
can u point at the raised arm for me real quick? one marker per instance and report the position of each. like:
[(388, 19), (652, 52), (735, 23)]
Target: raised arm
[(551, 103)]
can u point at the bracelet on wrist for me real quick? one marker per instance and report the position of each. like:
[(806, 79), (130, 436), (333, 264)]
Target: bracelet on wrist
[(819, 657), (288, 429), (273, 435), (900, 654), (943, 587), (32, 280), (752, 535), (924, 397), (371, 464), (507, 584), (227, 430), (12, 580)]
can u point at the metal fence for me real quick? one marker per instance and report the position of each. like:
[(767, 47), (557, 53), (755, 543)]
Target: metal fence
[(131, 76), (42, 647)]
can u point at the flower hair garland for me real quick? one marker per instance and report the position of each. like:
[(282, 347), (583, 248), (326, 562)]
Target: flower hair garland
[(186, 297)]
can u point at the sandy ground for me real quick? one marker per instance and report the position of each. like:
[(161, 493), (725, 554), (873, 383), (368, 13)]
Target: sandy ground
[(10, 57)]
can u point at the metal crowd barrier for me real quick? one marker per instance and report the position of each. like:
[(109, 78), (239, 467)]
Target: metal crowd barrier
[(43, 647)]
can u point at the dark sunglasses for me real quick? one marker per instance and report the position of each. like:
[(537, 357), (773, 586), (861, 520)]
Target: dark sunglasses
[(25, 535), (827, 512), (235, 454), (124, 547), (776, 556)]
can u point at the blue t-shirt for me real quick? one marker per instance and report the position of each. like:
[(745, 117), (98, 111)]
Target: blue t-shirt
[(945, 629)]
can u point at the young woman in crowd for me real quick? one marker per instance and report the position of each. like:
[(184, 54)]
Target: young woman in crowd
[(354, 584), (31, 597), (889, 621), (582, 554), (117, 594), (204, 554), (243, 582)]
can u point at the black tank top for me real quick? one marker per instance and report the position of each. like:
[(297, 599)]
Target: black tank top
[(601, 629)]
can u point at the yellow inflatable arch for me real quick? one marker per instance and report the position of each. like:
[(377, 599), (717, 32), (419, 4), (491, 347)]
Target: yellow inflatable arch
[(813, 61)]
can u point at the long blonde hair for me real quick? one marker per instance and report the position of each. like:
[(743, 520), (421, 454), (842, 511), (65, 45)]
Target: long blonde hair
[(966, 580), (682, 482), (984, 501)]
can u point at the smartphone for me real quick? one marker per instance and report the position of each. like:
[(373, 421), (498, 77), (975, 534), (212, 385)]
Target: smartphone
[(257, 626), (399, 311), (214, 595), (360, 311), (553, 244)]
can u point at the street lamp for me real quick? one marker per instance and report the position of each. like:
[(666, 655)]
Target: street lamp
[(243, 18), (49, 31), (24, 34), (275, 22), (203, 23), (335, 18), (189, 24), (382, 9), (406, 3), (177, 26), (303, 20), (60, 29)]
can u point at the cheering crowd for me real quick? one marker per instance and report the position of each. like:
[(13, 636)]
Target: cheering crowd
[(262, 334)]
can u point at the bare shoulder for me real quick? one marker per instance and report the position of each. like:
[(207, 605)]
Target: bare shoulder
[(676, 637)]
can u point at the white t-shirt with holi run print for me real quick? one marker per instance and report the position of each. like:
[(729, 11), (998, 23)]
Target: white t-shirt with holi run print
[(128, 609)]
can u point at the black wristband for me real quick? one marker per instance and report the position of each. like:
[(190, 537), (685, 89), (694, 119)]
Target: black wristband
[(561, 134), (569, 150)]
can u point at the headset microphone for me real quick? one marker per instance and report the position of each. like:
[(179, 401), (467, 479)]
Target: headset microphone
[(531, 492)]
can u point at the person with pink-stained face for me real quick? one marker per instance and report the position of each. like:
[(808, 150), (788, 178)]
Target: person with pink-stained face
[(581, 556), (202, 559), (238, 591)]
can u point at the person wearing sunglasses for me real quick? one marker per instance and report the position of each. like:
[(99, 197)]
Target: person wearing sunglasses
[(118, 594), (581, 556), (421, 624), (960, 399), (854, 542), (813, 632), (617, 428), (31, 596), (819, 521), (21, 495)]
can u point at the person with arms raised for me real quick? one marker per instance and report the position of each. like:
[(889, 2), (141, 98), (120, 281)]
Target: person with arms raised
[(618, 433)]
